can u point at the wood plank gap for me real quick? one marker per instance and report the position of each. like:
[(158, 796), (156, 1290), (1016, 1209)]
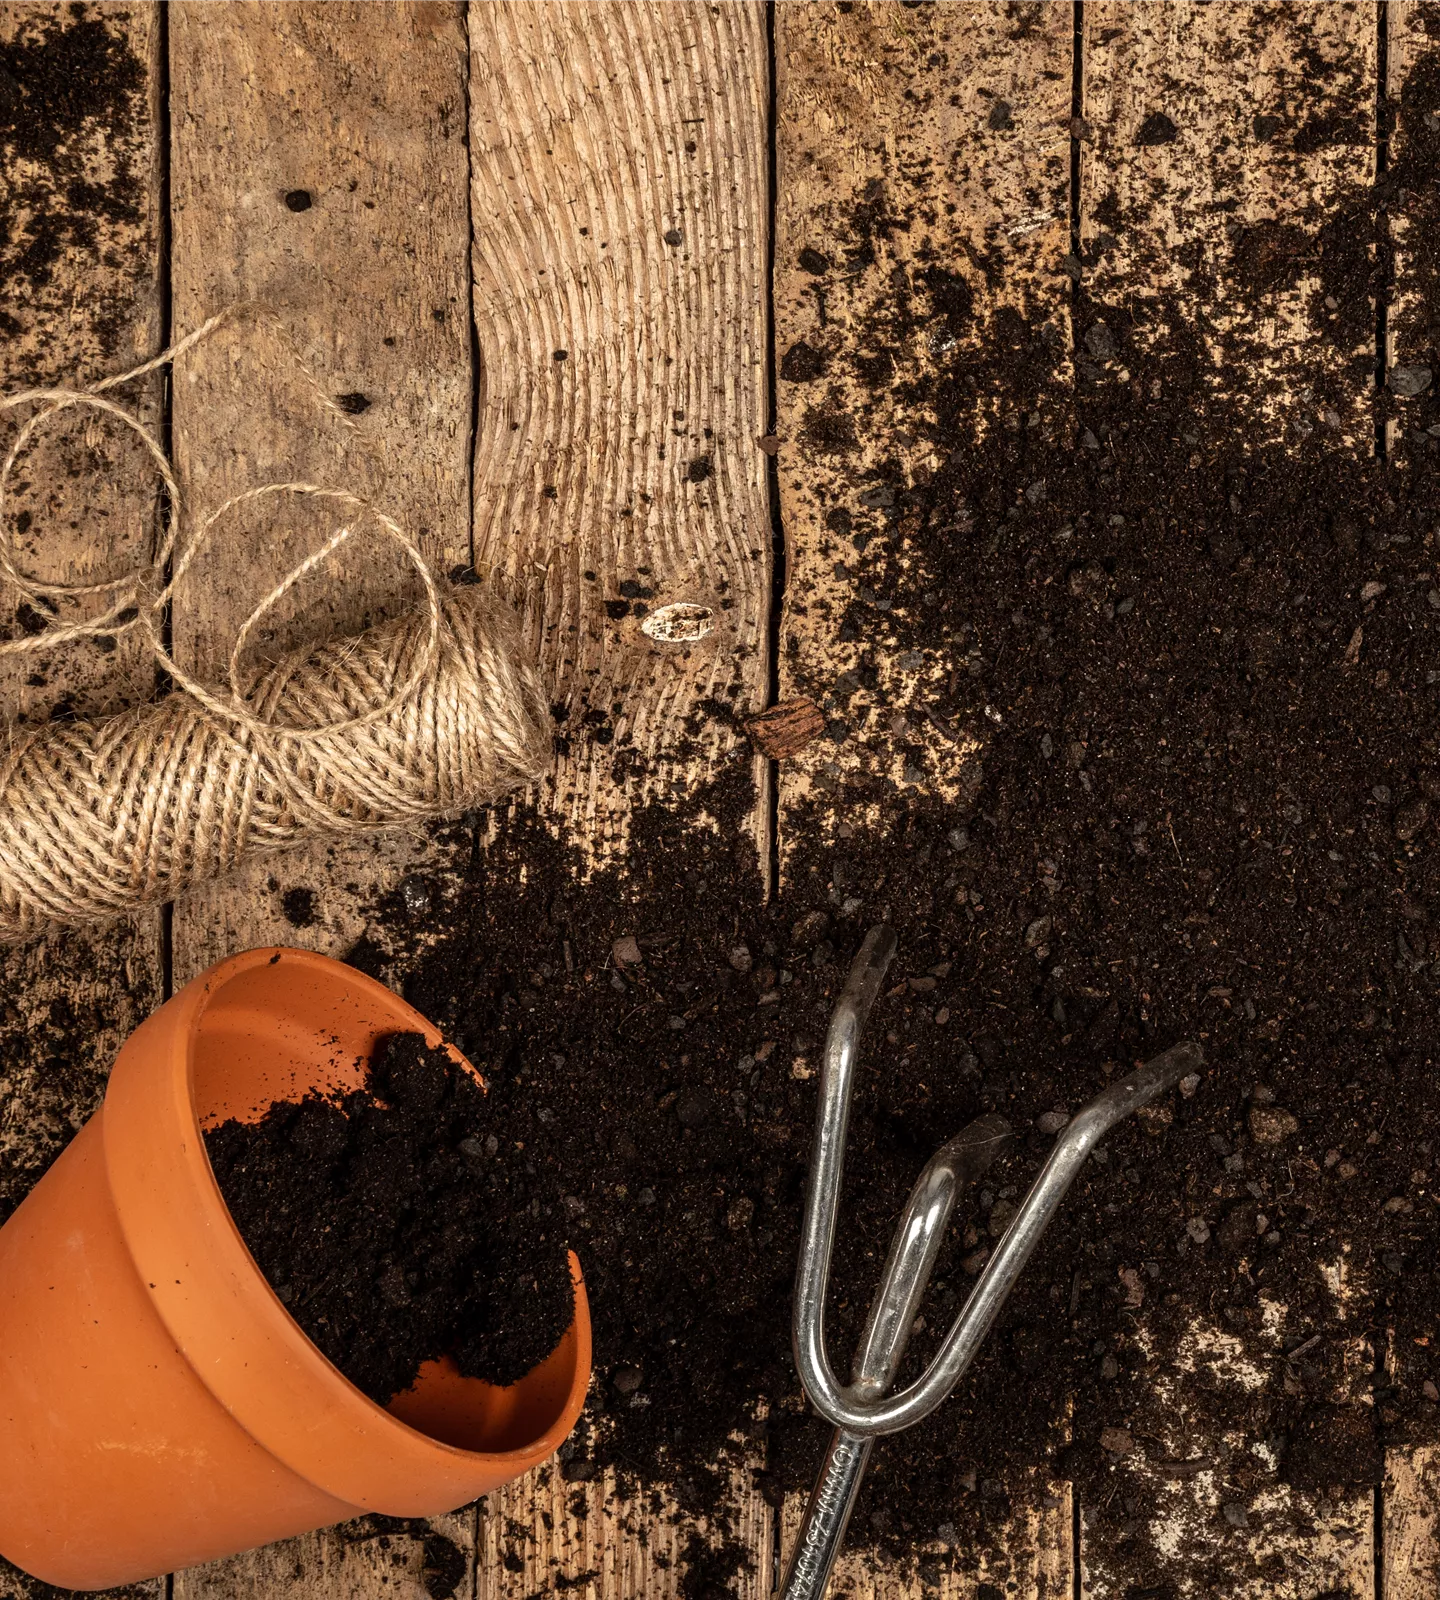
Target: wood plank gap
[(779, 564), (1383, 244), (1377, 1534)]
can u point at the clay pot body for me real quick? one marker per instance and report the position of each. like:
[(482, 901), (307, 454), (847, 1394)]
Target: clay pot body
[(159, 1406)]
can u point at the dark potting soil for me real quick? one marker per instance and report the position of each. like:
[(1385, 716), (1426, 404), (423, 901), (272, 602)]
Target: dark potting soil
[(396, 1226), (1202, 675), (1209, 807), (69, 84)]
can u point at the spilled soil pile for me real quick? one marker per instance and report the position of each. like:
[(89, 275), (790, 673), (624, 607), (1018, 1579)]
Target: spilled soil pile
[(396, 1225), (1199, 673)]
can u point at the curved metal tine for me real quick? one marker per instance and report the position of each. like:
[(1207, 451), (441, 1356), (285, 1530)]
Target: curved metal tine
[(1079, 1137), (908, 1266), (827, 1161), (915, 1246)]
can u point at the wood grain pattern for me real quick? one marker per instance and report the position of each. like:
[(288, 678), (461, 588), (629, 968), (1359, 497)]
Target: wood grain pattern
[(618, 181), (356, 113), (1033, 1557), (618, 194), (1217, 138), (359, 1561), (1411, 1502), (534, 1541), (361, 107), (88, 307), (923, 161)]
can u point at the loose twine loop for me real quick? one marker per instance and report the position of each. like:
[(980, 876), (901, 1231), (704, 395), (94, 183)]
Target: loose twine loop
[(425, 716)]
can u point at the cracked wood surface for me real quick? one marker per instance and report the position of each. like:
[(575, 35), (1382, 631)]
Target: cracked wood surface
[(618, 191)]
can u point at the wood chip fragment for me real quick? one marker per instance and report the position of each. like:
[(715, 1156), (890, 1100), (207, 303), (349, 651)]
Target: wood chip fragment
[(786, 729)]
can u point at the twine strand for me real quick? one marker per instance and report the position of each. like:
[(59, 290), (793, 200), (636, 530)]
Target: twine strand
[(428, 715)]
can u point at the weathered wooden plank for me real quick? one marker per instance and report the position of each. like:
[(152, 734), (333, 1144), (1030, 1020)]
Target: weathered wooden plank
[(618, 168), (1410, 1502), (1413, 37), (1218, 138), (362, 1560), (81, 258), (80, 195), (1410, 1499), (1217, 141), (1035, 1558), (535, 1540), (618, 158), (82, 301), (922, 221), (318, 170)]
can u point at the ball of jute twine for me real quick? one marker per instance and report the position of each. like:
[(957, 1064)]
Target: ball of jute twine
[(429, 715)]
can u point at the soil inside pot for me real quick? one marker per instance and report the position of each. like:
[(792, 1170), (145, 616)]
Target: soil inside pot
[(396, 1223)]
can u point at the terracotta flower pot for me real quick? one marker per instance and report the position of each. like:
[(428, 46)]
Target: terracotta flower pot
[(158, 1405)]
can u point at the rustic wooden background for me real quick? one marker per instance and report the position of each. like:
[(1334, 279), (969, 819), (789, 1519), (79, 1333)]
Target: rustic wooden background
[(632, 181)]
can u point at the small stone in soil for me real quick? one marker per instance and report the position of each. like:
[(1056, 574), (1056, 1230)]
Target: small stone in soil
[(1271, 1124), (1410, 819)]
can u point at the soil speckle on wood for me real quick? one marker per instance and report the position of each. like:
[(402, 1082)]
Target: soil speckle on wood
[(74, 131)]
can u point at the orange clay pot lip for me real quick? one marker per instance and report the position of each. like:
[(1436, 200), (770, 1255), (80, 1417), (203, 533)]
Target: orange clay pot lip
[(225, 1318)]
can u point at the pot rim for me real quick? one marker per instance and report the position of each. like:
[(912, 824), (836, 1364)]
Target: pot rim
[(226, 1319)]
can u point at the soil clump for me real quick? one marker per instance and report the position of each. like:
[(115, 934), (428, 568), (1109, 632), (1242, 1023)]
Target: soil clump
[(395, 1224)]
